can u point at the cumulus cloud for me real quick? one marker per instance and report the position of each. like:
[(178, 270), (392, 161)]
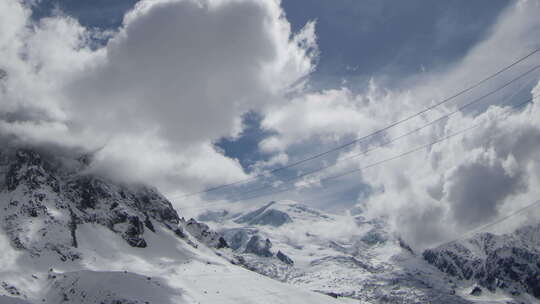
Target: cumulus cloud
[(449, 188), (329, 115), (176, 76), (177, 62), (476, 187), (464, 183)]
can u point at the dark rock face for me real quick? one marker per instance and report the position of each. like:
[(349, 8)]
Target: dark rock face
[(265, 216), (259, 247), (508, 262), (222, 243), (477, 291), (133, 234), (29, 169), (237, 238), (124, 210), (39, 191), (284, 258), (205, 235), (12, 290), (405, 246)]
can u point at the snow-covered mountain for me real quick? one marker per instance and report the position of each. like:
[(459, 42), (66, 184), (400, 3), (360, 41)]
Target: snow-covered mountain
[(69, 236), (509, 262), (342, 256), (349, 256)]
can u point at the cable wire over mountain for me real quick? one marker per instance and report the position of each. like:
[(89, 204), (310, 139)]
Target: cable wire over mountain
[(362, 138)]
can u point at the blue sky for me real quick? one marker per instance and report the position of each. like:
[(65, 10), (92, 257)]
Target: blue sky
[(98, 13), (358, 40), (374, 38), (163, 102), (384, 39)]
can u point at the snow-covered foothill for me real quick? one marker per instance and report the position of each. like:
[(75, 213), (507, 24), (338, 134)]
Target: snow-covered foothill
[(70, 236)]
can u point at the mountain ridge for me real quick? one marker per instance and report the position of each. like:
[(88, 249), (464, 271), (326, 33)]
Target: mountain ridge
[(71, 236), (366, 262), (510, 261)]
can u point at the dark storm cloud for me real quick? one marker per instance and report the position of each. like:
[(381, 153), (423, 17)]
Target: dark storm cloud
[(477, 189)]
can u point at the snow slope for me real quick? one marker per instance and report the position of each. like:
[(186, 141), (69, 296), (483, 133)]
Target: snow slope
[(496, 262), (349, 256), (340, 255), (68, 236), (71, 237)]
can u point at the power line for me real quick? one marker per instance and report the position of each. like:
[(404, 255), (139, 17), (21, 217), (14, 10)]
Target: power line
[(401, 155), (419, 148), (371, 134), (401, 136), (499, 220), (368, 166)]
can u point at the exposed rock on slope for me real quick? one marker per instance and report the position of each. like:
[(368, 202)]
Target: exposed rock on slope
[(370, 264), (69, 236), (510, 262), (46, 202), (204, 234), (259, 247), (309, 250)]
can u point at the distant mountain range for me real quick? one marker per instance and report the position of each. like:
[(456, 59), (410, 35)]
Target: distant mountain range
[(348, 256), (70, 236)]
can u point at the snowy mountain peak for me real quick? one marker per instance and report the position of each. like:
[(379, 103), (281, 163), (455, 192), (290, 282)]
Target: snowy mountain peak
[(278, 213), (71, 237), (45, 202), (53, 213), (339, 255), (509, 262), (266, 215)]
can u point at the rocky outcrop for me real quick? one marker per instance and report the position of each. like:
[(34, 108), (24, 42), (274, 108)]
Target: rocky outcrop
[(302, 253), (44, 201), (204, 234), (284, 258), (259, 247), (509, 262), (476, 291)]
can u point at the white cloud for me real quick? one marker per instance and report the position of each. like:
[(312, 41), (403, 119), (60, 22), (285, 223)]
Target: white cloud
[(179, 73), (191, 67), (330, 115), (175, 77), (440, 192)]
